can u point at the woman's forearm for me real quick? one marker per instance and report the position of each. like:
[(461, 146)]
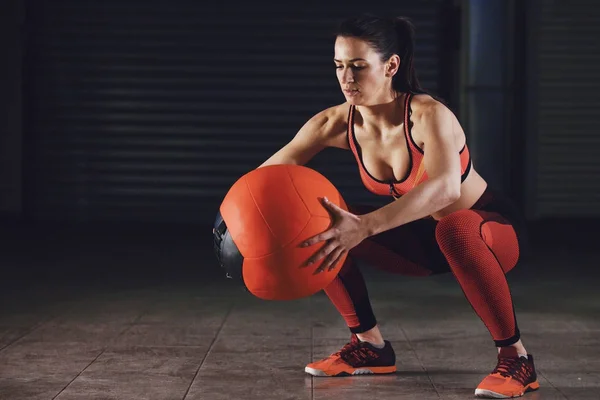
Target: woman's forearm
[(425, 199)]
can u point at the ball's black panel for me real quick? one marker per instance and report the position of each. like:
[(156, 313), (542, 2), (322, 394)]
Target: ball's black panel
[(228, 254)]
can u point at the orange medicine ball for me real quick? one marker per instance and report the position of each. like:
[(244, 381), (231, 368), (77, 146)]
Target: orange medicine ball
[(262, 221)]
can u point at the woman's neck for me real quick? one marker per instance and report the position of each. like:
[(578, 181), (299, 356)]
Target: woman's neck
[(383, 116)]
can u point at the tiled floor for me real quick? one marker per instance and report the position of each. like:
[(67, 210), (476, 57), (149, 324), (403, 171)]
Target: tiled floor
[(115, 318)]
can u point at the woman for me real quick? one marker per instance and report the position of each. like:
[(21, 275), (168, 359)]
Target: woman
[(444, 218)]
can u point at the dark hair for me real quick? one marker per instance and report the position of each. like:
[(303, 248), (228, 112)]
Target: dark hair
[(388, 36)]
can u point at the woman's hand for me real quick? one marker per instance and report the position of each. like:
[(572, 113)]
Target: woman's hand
[(347, 232)]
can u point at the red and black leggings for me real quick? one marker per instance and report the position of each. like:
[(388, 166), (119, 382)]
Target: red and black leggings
[(479, 246)]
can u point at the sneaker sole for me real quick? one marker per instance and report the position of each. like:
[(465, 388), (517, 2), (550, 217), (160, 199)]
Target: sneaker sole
[(490, 394), (358, 371)]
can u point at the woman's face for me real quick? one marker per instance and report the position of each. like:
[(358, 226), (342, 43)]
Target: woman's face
[(363, 77)]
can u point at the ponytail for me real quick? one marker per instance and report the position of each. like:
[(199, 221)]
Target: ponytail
[(405, 80)]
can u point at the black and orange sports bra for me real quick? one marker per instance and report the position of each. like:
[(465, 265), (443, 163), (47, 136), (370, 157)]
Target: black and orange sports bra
[(416, 173)]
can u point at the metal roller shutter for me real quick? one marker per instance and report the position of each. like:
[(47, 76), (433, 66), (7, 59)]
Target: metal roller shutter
[(564, 148), (149, 111)]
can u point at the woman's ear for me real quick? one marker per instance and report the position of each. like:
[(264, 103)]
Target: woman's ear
[(392, 66)]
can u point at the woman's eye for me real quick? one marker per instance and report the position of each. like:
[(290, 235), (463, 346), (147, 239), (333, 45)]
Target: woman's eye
[(356, 67)]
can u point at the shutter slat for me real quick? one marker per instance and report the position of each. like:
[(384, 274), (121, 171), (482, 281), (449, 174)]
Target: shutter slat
[(151, 110), (568, 69)]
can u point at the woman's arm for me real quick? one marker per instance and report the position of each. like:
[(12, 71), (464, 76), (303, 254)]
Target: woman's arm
[(325, 129), (442, 188), (442, 163)]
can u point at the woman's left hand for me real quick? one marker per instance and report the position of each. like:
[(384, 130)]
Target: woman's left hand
[(347, 232)]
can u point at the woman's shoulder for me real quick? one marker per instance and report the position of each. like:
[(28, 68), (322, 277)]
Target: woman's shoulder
[(335, 114), (331, 125), (425, 107), (424, 102), (432, 115)]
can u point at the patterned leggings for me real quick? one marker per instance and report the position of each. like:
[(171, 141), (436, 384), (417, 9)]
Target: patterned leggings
[(479, 246)]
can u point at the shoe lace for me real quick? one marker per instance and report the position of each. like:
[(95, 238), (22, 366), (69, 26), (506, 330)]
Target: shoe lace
[(516, 368), (355, 353)]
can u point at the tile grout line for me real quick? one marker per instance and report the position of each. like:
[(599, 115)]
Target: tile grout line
[(136, 319), (30, 330), (79, 373), (210, 347), (46, 321), (420, 362), (552, 385)]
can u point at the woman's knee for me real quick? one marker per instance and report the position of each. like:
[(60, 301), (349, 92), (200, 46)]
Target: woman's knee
[(457, 230)]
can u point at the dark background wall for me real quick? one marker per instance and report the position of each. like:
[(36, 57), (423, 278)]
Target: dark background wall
[(139, 111), (562, 122), (11, 48), (146, 112)]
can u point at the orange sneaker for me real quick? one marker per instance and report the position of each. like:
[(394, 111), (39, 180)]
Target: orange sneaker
[(356, 358), (512, 377)]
